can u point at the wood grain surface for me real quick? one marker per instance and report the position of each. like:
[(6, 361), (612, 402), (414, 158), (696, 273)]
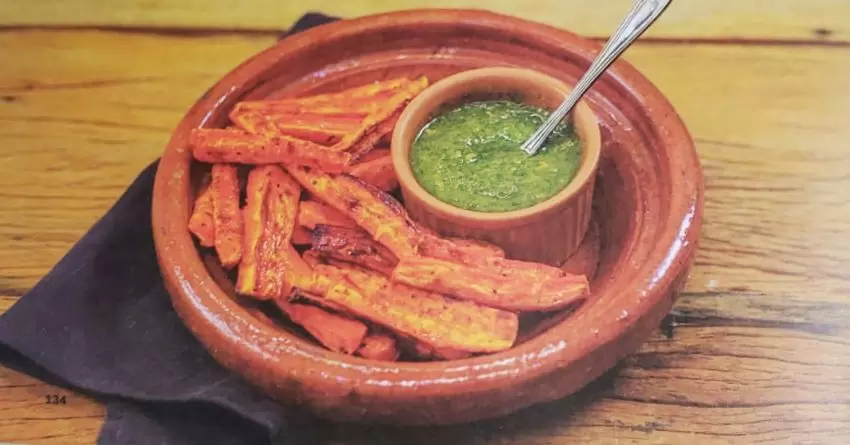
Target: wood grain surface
[(758, 350)]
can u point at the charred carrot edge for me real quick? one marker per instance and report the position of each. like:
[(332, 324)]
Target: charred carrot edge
[(379, 347), (373, 135), (236, 147), (312, 214), (227, 216), (376, 212), (202, 223), (434, 319), (490, 287), (353, 246), (377, 171), (271, 264), (425, 351), (335, 332)]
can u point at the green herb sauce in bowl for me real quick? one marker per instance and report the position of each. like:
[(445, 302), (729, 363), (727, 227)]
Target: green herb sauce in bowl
[(470, 157)]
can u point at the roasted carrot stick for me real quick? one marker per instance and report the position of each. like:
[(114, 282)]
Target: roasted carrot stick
[(373, 135), (270, 265), (227, 216), (236, 147), (202, 223), (302, 236), (434, 319), (376, 212), (353, 246), (502, 289), (312, 214), (379, 347), (333, 331), (377, 170)]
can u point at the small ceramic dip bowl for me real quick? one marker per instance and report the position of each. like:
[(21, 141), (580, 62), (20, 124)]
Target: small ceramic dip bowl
[(549, 231)]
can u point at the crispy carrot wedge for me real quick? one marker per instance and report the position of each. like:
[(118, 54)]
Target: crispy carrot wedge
[(363, 100), (324, 129), (333, 331), (375, 134), (376, 212), (460, 250), (377, 170), (270, 265), (434, 319), (302, 236), (201, 223), (501, 289), (379, 347), (428, 352), (312, 214), (236, 147), (353, 246), (389, 111), (227, 216)]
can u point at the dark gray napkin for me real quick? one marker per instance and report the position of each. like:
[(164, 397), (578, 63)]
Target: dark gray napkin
[(101, 322)]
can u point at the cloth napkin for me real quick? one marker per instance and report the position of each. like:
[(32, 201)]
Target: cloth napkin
[(101, 323)]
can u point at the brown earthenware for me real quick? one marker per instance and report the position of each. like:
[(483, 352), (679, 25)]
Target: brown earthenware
[(648, 203), (548, 232)]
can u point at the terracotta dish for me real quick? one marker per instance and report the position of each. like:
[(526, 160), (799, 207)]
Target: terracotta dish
[(647, 203), (563, 217)]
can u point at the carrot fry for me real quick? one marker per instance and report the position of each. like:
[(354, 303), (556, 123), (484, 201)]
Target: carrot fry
[(324, 129), (425, 351), (379, 347), (302, 236), (270, 265), (353, 246), (370, 137), (312, 214), (376, 212), (333, 331), (502, 289), (434, 319), (389, 111), (377, 171), (201, 223), (460, 250), (226, 214), (236, 147)]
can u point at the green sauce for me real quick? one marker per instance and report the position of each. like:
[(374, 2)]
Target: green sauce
[(470, 157)]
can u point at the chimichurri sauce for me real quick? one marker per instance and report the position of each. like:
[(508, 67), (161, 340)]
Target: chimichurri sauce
[(470, 157)]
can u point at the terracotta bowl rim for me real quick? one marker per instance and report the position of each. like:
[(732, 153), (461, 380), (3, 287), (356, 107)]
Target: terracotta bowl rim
[(213, 316), (404, 135)]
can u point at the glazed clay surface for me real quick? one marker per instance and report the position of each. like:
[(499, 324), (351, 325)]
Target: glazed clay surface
[(648, 204)]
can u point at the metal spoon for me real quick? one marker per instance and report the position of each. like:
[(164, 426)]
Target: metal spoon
[(642, 15)]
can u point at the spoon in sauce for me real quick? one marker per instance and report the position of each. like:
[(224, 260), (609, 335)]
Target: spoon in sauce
[(639, 19)]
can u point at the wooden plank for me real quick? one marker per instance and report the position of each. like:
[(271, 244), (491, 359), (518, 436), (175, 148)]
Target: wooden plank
[(761, 352), (785, 385), (810, 21)]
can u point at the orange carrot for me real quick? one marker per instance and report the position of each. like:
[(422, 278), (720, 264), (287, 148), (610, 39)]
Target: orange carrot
[(503, 289), (312, 214), (270, 266), (202, 223), (353, 246), (333, 331), (236, 147), (434, 319), (379, 347), (226, 214), (376, 212), (302, 236), (377, 170)]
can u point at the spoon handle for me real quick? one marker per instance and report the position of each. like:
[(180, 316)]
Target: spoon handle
[(642, 15)]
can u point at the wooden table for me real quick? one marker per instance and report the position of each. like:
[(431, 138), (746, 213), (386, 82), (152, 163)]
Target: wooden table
[(90, 90)]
